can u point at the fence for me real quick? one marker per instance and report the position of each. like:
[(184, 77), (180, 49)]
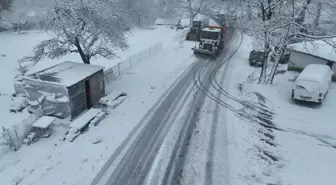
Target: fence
[(116, 71)]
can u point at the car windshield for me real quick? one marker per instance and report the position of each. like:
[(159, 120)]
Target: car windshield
[(209, 35), (308, 85)]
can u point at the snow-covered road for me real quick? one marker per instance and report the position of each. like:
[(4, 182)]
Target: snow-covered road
[(182, 123)]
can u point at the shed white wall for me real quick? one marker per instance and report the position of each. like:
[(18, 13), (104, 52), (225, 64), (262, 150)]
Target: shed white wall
[(301, 60), (298, 60)]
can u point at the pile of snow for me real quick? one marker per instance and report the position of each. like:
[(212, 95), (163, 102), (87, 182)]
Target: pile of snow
[(166, 21), (113, 99), (185, 22), (19, 103)]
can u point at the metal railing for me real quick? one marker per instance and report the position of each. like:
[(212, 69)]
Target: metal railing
[(112, 73)]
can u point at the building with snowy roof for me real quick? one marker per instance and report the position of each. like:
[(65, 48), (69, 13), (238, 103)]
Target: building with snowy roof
[(315, 52), (166, 22), (76, 86)]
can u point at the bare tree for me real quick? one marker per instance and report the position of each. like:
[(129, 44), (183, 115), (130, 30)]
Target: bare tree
[(5, 5), (90, 28), (281, 22), (139, 9), (318, 14), (189, 7)]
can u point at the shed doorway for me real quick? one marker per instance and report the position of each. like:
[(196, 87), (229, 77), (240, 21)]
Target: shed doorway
[(88, 94)]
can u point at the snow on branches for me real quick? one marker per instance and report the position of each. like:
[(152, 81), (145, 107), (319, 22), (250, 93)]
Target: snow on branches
[(88, 27), (279, 23)]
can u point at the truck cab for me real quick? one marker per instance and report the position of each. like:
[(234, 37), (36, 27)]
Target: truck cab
[(211, 41)]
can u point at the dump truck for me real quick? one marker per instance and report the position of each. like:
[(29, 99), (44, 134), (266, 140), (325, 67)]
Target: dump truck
[(211, 41), (195, 30)]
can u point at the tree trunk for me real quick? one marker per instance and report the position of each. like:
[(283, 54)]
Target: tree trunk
[(263, 73), (318, 14), (302, 14), (85, 58), (18, 27), (249, 10), (19, 24), (191, 20), (275, 67)]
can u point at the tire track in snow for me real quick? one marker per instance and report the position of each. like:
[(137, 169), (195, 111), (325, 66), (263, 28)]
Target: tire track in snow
[(135, 132), (176, 173), (212, 143), (135, 165)]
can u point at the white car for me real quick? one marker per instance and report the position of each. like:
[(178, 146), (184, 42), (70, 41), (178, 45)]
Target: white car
[(312, 84)]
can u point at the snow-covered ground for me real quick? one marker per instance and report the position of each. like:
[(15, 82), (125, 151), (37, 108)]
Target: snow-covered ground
[(296, 147), (53, 161)]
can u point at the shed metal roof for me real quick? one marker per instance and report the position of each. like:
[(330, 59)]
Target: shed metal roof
[(67, 73)]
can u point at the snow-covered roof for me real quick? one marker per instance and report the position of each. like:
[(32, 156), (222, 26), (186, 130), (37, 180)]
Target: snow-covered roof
[(185, 22), (44, 122), (200, 17), (314, 72), (316, 48), (67, 73), (166, 21), (212, 29)]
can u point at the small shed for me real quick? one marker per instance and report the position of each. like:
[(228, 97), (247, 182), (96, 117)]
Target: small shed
[(166, 22), (184, 22), (316, 52), (82, 84)]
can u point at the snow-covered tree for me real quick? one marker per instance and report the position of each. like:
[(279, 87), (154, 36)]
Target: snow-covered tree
[(282, 22), (5, 5), (28, 12), (88, 27), (189, 8), (140, 11)]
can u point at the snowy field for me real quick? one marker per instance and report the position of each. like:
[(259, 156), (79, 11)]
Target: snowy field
[(49, 160), (298, 145)]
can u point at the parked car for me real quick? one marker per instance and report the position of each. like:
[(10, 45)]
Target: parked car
[(313, 83), (256, 58), (285, 58)]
